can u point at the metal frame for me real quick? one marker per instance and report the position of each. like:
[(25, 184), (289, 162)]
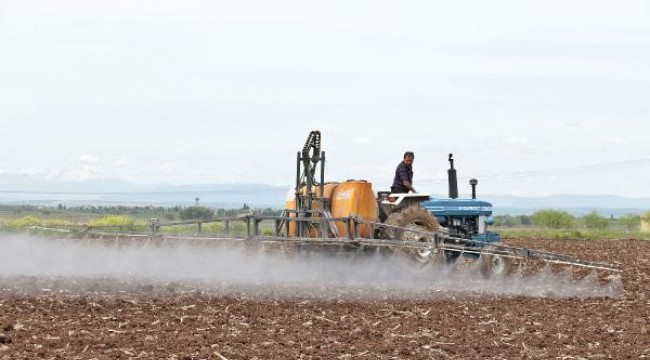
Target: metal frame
[(391, 234)]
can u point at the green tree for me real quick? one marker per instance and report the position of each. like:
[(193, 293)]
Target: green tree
[(504, 220), (554, 219), (630, 221), (594, 221), (196, 213)]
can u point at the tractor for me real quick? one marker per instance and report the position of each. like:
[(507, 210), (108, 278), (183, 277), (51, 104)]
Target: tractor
[(448, 227)]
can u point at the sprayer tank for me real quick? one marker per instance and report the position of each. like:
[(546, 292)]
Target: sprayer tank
[(354, 198)]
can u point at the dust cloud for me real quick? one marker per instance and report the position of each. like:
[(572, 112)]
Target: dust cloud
[(76, 265)]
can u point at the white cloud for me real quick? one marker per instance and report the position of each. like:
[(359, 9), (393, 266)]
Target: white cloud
[(516, 141), (362, 141), (82, 168), (33, 171), (122, 162), (78, 173), (89, 159), (617, 140), (169, 168)]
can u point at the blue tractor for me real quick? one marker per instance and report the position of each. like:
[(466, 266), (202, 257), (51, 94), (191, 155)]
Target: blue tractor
[(461, 225), (463, 218)]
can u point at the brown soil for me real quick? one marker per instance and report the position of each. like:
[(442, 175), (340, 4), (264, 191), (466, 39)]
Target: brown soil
[(104, 319)]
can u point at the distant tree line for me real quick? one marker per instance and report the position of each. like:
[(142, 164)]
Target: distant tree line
[(559, 219), (546, 218), (512, 220), (167, 213)]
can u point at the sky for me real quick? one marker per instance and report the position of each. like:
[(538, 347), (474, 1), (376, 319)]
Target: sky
[(532, 97)]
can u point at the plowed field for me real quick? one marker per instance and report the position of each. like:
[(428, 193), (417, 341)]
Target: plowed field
[(104, 318)]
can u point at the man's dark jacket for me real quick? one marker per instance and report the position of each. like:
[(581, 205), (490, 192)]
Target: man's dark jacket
[(403, 172)]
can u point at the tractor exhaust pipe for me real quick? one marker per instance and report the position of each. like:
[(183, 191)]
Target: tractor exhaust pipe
[(473, 182), (453, 181)]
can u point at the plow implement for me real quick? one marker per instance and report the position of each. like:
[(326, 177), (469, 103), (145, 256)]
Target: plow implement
[(416, 249)]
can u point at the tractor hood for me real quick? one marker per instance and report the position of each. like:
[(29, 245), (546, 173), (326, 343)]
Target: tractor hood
[(458, 207)]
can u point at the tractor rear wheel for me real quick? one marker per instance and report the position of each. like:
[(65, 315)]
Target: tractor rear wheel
[(419, 220)]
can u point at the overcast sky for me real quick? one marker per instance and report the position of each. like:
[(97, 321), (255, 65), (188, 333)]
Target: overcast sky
[(554, 96)]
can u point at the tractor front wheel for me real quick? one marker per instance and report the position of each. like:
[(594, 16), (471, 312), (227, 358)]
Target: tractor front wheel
[(495, 265)]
